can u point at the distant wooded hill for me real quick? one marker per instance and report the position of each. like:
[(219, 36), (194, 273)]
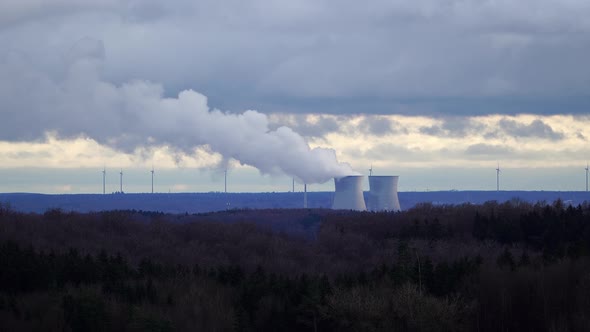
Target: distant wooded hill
[(511, 266), (208, 202)]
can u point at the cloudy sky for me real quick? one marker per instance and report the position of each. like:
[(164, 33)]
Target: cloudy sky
[(436, 91)]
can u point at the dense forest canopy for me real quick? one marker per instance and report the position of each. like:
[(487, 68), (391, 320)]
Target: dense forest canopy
[(511, 266)]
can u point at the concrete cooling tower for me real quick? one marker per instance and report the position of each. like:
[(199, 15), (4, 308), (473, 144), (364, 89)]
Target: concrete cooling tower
[(349, 193), (383, 193)]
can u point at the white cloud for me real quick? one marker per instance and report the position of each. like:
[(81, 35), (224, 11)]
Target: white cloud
[(407, 153), (412, 146)]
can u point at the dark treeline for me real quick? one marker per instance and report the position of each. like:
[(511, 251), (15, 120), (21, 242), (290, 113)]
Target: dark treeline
[(492, 267)]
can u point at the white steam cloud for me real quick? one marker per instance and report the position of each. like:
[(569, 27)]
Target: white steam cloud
[(136, 114)]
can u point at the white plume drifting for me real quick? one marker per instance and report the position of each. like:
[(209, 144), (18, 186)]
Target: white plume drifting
[(136, 114)]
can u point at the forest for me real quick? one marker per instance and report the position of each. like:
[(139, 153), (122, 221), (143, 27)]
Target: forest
[(512, 266)]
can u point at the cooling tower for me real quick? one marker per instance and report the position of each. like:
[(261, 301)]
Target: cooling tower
[(383, 193), (349, 193)]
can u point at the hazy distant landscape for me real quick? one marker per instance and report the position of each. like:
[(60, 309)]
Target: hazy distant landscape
[(208, 202)]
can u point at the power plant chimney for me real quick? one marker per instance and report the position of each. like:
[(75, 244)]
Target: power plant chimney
[(121, 181), (383, 193), (349, 193), (152, 179)]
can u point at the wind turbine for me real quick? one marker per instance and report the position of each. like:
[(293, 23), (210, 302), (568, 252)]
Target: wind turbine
[(152, 171), (104, 176), (498, 178), (293, 184), (121, 181), (371, 170), (227, 203), (586, 177)]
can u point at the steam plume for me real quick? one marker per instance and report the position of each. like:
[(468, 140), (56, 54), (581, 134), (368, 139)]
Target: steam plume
[(137, 114)]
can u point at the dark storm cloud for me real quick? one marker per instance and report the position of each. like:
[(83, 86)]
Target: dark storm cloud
[(537, 128)]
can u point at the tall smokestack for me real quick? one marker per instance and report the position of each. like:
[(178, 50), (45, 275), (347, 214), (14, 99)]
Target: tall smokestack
[(349, 193), (152, 179), (383, 193)]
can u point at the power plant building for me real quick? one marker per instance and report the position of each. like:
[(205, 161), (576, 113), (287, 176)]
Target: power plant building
[(383, 193), (349, 193)]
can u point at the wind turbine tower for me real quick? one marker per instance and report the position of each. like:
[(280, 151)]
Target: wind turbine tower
[(498, 178), (104, 176), (152, 179), (225, 181), (586, 177), (121, 181), (371, 171), (293, 184)]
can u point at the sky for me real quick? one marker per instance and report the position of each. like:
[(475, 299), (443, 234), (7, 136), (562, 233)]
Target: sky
[(439, 92)]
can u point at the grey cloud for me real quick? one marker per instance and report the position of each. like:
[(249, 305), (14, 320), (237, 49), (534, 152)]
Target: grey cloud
[(15, 12), (378, 126), (426, 57), (453, 127), (434, 130), (537, 128), (86, 49), (298, 122), (325, 124), (147, 11)]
